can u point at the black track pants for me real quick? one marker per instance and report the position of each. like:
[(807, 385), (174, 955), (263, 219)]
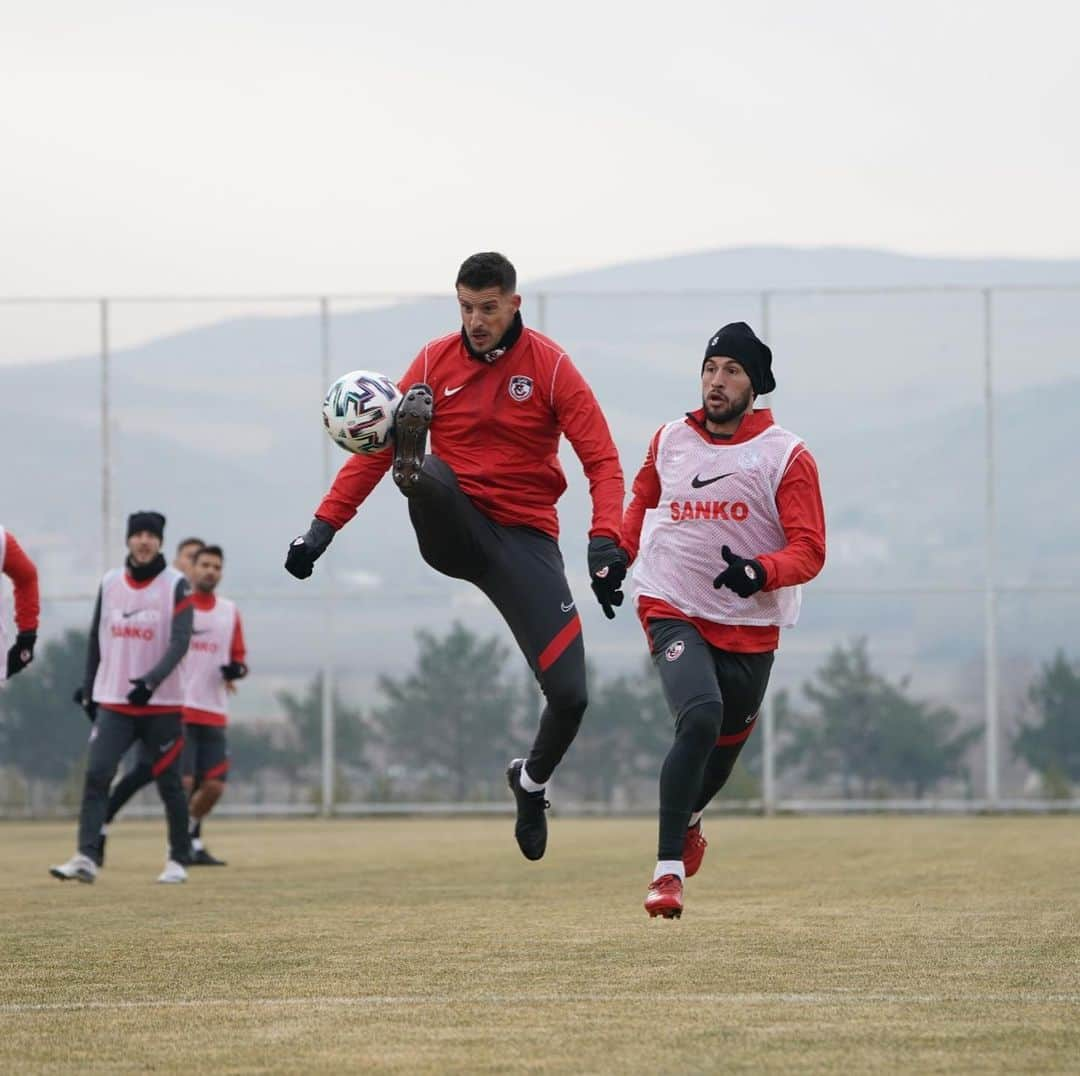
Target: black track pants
[(521, 570), (714, 696)]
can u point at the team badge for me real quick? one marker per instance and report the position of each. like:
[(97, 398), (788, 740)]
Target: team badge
[(520, 387), (674, 652)]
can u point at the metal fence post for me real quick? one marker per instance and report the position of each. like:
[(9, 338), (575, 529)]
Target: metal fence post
[(989, 592), (327, 699), (106, 438)]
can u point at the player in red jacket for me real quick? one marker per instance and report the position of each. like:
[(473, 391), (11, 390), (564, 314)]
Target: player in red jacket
[(19, 568), (725, 523), (497, 396)]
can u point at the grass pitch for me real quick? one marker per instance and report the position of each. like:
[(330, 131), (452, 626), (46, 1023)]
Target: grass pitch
[(412, 946)]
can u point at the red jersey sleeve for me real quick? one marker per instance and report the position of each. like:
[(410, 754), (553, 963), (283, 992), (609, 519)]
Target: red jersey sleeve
[(359, 475), (645, 495), (581, 419), (238, 652), (802, 515), (19, 568)]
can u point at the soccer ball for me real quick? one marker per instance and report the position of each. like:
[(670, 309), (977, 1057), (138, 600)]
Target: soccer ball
[(359, 410)]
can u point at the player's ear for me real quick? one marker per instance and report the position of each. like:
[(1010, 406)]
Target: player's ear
[(516, 300)]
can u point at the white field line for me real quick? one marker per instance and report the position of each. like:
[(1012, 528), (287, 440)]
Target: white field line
[(376, 1000)]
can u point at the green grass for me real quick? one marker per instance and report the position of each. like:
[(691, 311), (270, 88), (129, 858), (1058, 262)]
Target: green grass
[(410, 946)]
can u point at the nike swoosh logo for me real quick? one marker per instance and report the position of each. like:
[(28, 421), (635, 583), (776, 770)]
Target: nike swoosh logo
[(450, 392), (697, 481), (133, 612), (200, 631), (566, 608)]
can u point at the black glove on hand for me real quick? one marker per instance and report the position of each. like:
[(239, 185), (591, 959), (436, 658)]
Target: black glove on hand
[(140, 694), (742, 575), (305, 550), (22, 653), (235, 670), (83, 700), (607, 570)]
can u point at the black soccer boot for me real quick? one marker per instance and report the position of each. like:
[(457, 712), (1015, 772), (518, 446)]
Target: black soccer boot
[(531, 827), (202, 858), (411, 424)]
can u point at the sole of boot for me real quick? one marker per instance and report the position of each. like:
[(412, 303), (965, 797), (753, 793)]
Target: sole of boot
[(411, 425)]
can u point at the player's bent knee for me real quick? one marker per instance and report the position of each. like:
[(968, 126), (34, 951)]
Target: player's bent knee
[(701, 722)]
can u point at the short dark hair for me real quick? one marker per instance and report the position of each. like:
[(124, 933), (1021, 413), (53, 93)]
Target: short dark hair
[(212, 551), (189, 541), (487, 270)]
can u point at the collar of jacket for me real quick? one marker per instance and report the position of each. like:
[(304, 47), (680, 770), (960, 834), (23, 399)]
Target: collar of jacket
[(509, 339)]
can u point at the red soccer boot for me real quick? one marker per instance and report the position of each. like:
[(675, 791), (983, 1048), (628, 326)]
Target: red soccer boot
[(693, 850), (665, 897)]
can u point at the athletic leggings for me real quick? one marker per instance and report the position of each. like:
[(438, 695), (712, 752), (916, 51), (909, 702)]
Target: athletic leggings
[(714, 696), (521, 570)]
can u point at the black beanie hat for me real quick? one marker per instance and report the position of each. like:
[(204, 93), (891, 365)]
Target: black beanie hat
[(737, 341), (154, 522)]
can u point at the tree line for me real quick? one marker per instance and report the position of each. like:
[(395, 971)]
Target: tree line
[(445, 730)]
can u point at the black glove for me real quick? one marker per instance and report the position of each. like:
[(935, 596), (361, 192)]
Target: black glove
[(307, 548), (742, 575), (140, 694), (82, 699), (22, 653), (607, 570), (235, 670)]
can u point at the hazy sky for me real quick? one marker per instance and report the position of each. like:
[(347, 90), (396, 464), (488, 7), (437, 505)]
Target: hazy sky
[(211, 147)]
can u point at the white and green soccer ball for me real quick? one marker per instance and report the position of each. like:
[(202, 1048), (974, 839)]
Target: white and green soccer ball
[(359, 411)]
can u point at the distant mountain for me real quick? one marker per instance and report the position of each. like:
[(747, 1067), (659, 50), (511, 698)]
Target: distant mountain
[(219, 427)]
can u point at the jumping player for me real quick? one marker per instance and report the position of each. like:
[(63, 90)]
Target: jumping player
[(132, 691), (725, 523), (19, 568), (497, 396)]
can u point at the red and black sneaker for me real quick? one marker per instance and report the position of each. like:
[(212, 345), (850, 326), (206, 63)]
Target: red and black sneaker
[(693, 850), (665, 897), (414, 415)]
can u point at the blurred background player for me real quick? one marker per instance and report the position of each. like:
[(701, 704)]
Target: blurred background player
[(19, 568), (184, 560), (214, 662), (727, 513), (498, 397), (216, 634), (132, 690)]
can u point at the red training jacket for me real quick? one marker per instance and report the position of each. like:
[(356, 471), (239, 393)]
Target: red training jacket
[(497, 426), (19, 568), (802, 516)]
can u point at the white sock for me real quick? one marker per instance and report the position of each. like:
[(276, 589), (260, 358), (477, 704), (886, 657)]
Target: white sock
[(196, 844), (528, 783), (669, 866), (695, 818), (104, 830)]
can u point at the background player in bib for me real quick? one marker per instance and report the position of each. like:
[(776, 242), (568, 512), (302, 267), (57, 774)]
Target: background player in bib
[(17, 653), (725, 523), (214, 662), (497, 397), (217, 636), (132, 690)]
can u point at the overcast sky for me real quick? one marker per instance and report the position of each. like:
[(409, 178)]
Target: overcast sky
[(270, 146)]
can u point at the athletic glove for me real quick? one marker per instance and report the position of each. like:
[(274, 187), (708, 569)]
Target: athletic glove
[(742, 575), (607, 570), (235, 670), (22, 653), (140, 694), (307, 548), (83, 700)]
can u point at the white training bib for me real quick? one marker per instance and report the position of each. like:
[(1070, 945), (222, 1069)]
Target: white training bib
[(133, 635), (711, 495), (211, 647)]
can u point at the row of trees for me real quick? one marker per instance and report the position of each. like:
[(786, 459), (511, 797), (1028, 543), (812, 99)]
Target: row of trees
[(446, 729)]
